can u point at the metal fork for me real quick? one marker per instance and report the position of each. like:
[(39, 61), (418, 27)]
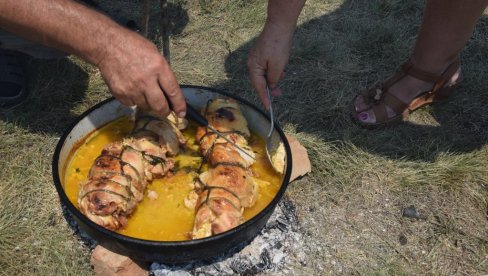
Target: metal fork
[(271, 118)]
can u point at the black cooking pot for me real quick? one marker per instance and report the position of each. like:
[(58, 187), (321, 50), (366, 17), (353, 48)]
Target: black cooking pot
[(161, 251)]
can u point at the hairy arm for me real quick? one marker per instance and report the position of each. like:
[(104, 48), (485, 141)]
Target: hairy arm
[(284, 13), (270, 53), (132, 66)]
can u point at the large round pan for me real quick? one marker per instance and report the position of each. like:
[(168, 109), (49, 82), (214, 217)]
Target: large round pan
[(159, 251)]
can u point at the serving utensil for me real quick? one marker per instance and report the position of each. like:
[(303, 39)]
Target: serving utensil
[(268, 140)]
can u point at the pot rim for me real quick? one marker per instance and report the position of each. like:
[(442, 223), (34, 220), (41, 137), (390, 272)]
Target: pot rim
[(73, 210)]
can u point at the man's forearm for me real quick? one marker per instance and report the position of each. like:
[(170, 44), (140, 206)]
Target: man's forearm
[(284, 13), (61, 24), (132, 66)]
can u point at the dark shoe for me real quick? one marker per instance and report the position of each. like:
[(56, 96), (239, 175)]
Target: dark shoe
[(12, 79)]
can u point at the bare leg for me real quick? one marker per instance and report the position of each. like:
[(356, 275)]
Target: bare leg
[(445, 30)]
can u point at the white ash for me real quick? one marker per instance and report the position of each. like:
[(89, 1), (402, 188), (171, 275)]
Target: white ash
[(277, 248)]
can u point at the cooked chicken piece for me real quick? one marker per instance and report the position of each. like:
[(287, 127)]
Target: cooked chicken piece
[(191, 200), (113, 149), (156, 162), (217, 211), (135, 159), (119, 176), (106, 197), (180, 123), (146, 145), (225, 116), (152, 195), (278, 159), (227, 154), (208, 140), (227, 187), (233, 179), (168, 135), (107, 166)]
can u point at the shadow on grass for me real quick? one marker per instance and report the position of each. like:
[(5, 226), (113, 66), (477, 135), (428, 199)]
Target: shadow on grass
[(55, 87), (334, 56), (177, 20), (341, 53)]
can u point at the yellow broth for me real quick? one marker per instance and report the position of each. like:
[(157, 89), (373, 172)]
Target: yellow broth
[(164, 218)]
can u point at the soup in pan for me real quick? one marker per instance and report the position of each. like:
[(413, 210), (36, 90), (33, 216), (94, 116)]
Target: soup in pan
[(163, 180)]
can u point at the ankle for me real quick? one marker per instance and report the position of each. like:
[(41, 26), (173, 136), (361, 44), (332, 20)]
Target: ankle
[(432, 65), (409, 87)]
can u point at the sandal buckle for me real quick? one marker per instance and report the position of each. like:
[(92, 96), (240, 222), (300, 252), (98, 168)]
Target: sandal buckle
[(378, 94)]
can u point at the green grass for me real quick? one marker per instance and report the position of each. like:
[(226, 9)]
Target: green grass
[(361, 180)]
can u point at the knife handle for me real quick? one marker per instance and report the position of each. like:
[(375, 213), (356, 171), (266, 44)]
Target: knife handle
[(193, 114)]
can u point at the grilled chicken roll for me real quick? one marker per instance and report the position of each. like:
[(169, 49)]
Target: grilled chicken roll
[(119, 176), (228, 186)]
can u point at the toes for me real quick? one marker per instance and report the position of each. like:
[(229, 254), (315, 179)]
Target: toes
[(364, 113), (366, 117), (359, 104)]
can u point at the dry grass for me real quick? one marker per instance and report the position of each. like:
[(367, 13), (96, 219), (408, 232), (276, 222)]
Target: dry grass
[(361, 179)]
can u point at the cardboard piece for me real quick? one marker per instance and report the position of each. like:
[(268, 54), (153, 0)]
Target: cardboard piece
[(108, 263), (300, 163)]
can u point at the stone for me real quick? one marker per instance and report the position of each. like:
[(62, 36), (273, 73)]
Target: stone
[(411, 212), (108, 263), (300, 163)]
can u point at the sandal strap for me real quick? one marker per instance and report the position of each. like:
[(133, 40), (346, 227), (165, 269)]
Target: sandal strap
[(409, 69), (391, 101), (446, 75), (381, 93)]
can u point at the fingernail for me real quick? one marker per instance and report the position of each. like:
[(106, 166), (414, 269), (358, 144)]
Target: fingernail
[(363, 116), (182, 114), (276, 91)]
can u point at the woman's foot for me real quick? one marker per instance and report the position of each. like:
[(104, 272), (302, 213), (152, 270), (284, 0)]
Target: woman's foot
[(406, 91)]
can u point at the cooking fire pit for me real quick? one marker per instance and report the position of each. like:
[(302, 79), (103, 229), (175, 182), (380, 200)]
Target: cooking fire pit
[(159, 251)]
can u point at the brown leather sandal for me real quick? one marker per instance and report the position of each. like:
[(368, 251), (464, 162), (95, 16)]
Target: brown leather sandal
[(378, 97)]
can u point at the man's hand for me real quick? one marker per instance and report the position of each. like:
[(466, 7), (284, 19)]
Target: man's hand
[(132, 66), (137, 74), (267, 59)]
